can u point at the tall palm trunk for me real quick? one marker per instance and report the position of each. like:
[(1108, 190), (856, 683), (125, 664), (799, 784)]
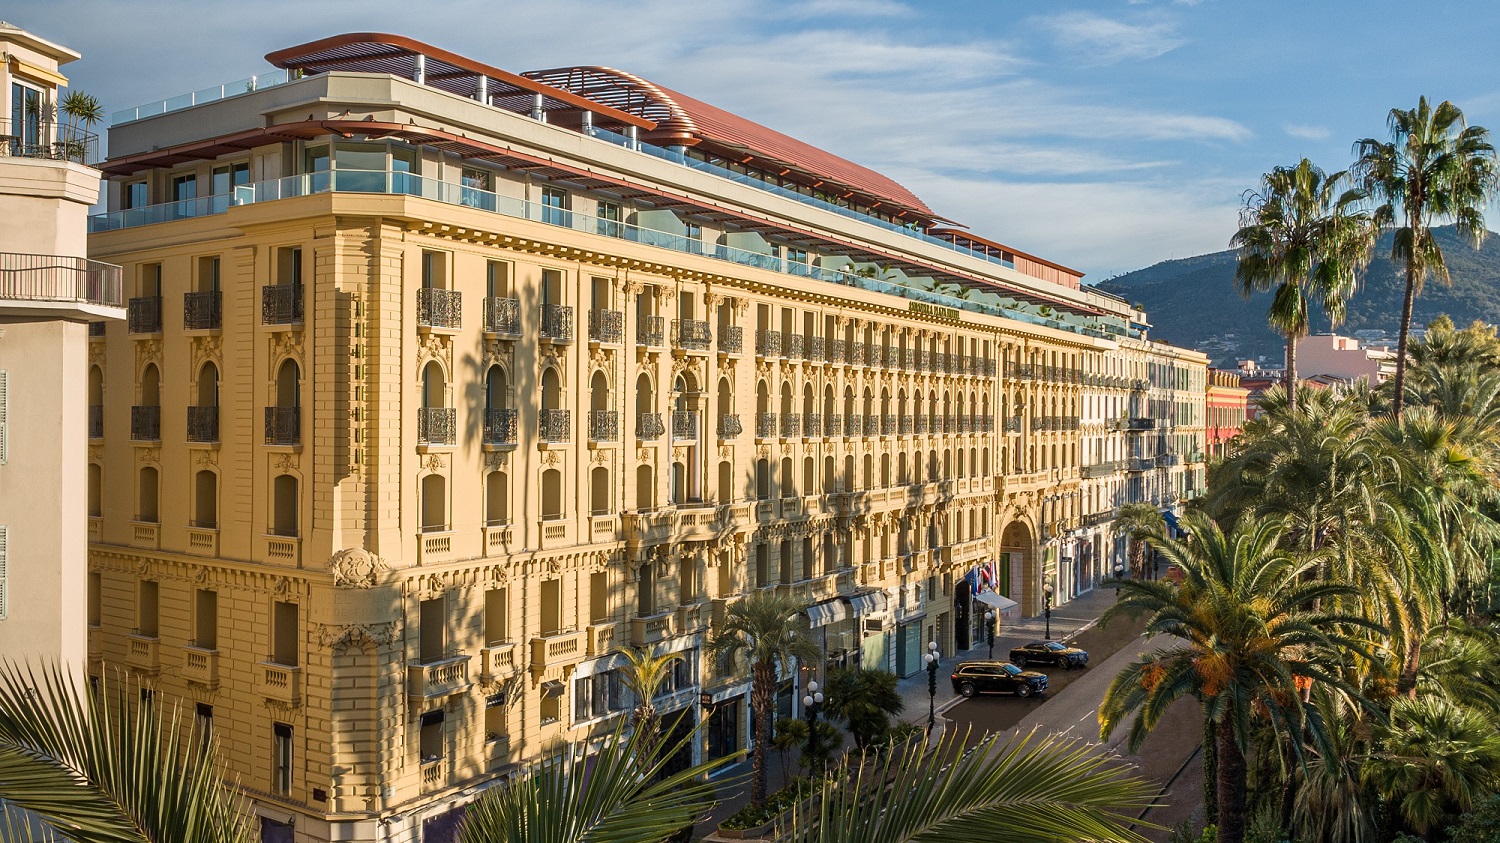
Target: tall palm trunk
[(1291, 369), (1407, 683), (1232, 772), (762, 700), (645, 721), (1411, 292), (1210, 771)]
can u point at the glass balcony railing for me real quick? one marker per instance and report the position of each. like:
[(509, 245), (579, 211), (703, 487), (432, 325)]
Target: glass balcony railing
[(408, 184)]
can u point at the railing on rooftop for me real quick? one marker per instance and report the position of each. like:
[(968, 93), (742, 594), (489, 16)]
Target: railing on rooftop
[(60, 279), (247, 85), (407, 184), (30, 137)]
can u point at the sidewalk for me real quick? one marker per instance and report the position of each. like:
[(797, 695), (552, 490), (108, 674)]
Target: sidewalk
[(1067, 620)]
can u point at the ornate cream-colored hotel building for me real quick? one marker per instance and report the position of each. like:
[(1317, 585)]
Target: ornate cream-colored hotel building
[(442, 385)]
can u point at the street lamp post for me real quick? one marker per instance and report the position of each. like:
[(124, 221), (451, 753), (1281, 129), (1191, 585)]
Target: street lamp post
[(932, 670), (1047, 610), (1119, 575), (811, 703), (989, 631)]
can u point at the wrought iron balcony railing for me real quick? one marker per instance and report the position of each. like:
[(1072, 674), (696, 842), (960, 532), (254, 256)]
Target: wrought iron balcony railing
[(765, 425), (768, 343), (731, 339), (281, 304), (684, 426), (96, 421), (145, 423), (649, 426), (556, 426), (35, 137), (143, 315), (437, 308), (201, 311), (557, 322), (691, 335), (729, 426), (502, 316), (437, 425), (650, 331), (500, 425), (604, 425), (791, 424), (814, 424), (283, 425), (203, 424), (606, 326), (57, 278)]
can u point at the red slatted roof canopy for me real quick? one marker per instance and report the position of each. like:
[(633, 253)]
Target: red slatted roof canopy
[(683, 120), (378, 52)]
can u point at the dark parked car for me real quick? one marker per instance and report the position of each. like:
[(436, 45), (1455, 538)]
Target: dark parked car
[(971, 678), (1049, 652)]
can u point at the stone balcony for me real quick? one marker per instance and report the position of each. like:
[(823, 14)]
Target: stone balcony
[(601, 638), (200, 666), (279, 682), (649, 629), (497, 661), (437, 679), (558, 648), (693, 617), (143, 653)]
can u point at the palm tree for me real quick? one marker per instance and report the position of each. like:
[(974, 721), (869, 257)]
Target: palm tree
[(1303, 236), (769, 633), (108, 766), (865, 699), (643, 674), (1138, 522), (1434, 168), (616, 795), (1244, 613), (1045, 789), (1435, 759)]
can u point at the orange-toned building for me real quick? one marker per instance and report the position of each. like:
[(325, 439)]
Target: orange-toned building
[(1227, 405)]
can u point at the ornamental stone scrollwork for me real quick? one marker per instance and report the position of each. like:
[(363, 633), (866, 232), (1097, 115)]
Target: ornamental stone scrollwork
[(497, 353), (96, 453), (207, 458), (599, 456), (551, 458), (147, 351), (630, 287), (435, 462), (496, 459), (206, 348), (679, 453), (434, 347), (356, 567), (645, 455), (288, 462), (343, 636), (556, 361), (148, 456), (96, 354), (726, 452), (280, 708), (286, 344), (741, 305), (599, 358)]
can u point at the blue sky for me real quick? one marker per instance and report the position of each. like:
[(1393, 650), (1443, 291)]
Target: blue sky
[(1105, 135)]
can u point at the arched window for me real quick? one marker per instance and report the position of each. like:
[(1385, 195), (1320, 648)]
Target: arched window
[(434, 504), (206, 500), (150, 386), (726, 482), (434, 386), (496, 499), (678, 491), (599, 497), (208, 385), (788, 482), (552, 506), (146, 508), (284, 506), (496, 389), (288, 385), (551, 390), (645, 487), (96, 402), (96, 490), (762, 479)]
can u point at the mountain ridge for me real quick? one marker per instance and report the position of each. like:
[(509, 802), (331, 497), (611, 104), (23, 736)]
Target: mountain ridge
[(1194, 301)]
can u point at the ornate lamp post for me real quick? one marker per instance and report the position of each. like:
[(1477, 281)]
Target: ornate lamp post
[(1119, 575), (932, 670), (811, 703), (1047, 610), (989, 631)]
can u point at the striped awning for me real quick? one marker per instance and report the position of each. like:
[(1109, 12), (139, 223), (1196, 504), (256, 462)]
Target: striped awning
[(869, 603), (827, 612)]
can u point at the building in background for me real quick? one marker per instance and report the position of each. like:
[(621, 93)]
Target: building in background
[(1227, 405), (51, 295), (1345, 359), (445, 384)]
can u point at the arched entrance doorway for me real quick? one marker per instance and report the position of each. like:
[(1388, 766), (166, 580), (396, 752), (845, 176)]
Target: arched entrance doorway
[(962, 619), (1020, 570)]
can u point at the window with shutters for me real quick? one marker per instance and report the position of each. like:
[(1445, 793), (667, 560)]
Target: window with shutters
[(4, 414), (4, 575)]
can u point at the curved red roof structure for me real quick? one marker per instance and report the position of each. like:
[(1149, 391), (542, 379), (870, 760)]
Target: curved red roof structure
[(685, 121)]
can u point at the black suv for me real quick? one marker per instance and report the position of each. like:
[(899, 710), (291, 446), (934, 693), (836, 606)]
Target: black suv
[(1049, 652), (971, 678)]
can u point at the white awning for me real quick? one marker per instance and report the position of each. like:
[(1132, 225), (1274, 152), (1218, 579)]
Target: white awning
[(825, 613), (869, 603), (1000, 603)]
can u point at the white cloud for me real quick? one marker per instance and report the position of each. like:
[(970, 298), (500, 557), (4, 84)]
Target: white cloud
[(848, 8), (1314, 133), (1096, 39)]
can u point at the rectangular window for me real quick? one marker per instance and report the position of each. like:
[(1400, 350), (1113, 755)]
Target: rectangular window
[(281, 758), (476, 190), (4, 573), (27, 105), (599, 597), (495, 728), (134, 195), (497, 280), (225, 179), (495, 609), (96, 588), (284, 649), (555, 204), (184, 188), (695, 238), (4, 416), (431, 740), (208, 274), (206, 619), (434, 270), (289, 266), (433, 630), (551, 607), (203, 719), (610, 220), (145, 608)]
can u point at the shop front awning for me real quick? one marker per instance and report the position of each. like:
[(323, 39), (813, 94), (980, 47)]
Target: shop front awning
[(998, 602), (552, 688), (869, 603), (827, 612)]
